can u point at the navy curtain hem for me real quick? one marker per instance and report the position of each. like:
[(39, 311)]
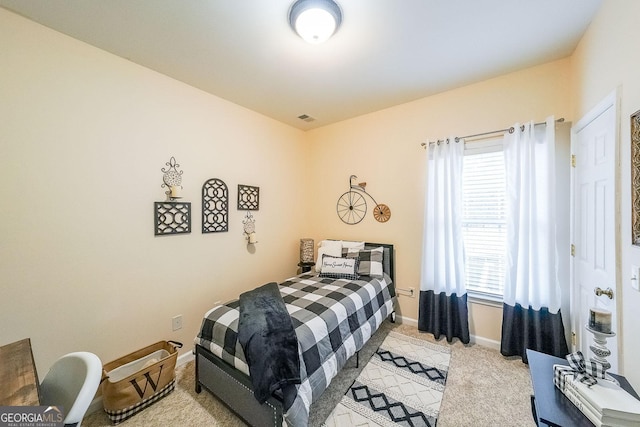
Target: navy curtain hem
[(442, 314), (526, 328)]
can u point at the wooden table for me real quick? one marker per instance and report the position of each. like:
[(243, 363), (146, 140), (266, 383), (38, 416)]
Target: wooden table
[(18, 376), (550, 407)]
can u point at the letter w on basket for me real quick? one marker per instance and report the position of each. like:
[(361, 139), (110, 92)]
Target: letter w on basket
[(149, 380)]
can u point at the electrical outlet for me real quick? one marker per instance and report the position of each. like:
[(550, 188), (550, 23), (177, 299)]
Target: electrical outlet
[(176, 322)]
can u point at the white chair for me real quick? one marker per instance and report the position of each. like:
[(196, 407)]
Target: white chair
[(72, 383)]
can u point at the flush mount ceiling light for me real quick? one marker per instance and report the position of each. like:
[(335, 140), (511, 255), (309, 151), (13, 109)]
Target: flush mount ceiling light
[(315, 20)]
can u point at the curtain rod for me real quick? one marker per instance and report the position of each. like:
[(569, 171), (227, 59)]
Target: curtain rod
[(510, 130)]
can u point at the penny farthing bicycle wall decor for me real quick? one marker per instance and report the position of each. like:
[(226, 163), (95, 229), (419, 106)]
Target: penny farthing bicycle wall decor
[(352, 205)]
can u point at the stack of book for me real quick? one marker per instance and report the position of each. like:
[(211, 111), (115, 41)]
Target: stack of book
[(604, 403)]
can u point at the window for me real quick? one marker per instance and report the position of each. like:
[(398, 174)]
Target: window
[(484, 224)]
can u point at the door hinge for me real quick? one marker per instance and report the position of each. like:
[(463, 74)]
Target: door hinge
[(573, 339), (573, 250), (573, 160)]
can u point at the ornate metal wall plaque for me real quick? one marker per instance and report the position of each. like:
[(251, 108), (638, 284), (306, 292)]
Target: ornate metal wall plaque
[(248, 198), (172, 218), (215, 206), (635, 177), (172, 179)]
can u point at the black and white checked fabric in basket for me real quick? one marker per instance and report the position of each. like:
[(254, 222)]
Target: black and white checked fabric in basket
[(121, 415), (333, 319)]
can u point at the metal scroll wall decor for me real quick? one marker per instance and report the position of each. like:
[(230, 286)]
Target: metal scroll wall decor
[(172, 216), (172, 179), (215, 206), (249, 226), (352, 205), (248, 198), (635, 177)]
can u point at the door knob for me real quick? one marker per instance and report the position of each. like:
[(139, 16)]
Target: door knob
[(608, 292)]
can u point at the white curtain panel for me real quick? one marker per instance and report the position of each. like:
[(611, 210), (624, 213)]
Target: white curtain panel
[(531, 273), (442, 244)]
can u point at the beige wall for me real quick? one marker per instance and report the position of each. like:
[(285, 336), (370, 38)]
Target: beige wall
[(607, 59), (383, 149), (83, 137)]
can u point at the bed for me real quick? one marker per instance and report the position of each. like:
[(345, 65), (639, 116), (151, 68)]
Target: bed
[(333, 318)]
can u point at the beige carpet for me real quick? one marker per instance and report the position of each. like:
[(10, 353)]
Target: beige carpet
[(483, 389)]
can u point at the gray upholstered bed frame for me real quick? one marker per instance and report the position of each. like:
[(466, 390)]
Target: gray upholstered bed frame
[(234, 388)]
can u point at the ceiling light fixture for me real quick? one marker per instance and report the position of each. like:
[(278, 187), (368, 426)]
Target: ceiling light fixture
[(315, 20)]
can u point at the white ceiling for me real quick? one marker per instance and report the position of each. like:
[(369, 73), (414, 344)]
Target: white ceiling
[(387, 52)]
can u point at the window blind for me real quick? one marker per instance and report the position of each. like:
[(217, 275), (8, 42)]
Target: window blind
[(484, 221)]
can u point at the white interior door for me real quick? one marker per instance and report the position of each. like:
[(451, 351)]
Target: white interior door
[(594, 229)]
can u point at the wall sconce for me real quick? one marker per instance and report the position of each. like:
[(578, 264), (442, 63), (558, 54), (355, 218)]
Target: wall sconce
[(171, 216), (249, 228), (172, 180)]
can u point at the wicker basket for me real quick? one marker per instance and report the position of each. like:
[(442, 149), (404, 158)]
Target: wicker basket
[(139, 379)]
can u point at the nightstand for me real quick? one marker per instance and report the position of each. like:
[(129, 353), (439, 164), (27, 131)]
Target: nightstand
[(305, 267)]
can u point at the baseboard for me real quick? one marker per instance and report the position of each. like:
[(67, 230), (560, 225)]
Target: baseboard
[(407, 321), (183, 359), (475, 339), (485, 342)]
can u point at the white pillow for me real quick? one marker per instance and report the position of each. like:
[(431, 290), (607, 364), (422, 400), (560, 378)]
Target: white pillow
[(334, 249), (351, 245), (330, 243)]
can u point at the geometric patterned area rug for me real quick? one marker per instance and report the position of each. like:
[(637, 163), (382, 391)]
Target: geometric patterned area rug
[(401, 385)]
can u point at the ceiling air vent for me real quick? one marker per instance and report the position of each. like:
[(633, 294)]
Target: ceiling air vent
[(306, 118)]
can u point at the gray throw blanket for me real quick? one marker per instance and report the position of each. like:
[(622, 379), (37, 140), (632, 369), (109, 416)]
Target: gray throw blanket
[(270, 344)]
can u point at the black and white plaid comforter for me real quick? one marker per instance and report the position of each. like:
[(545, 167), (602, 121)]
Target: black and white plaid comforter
[(333, 319)]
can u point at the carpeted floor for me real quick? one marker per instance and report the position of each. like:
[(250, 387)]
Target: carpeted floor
[(483, 388)]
